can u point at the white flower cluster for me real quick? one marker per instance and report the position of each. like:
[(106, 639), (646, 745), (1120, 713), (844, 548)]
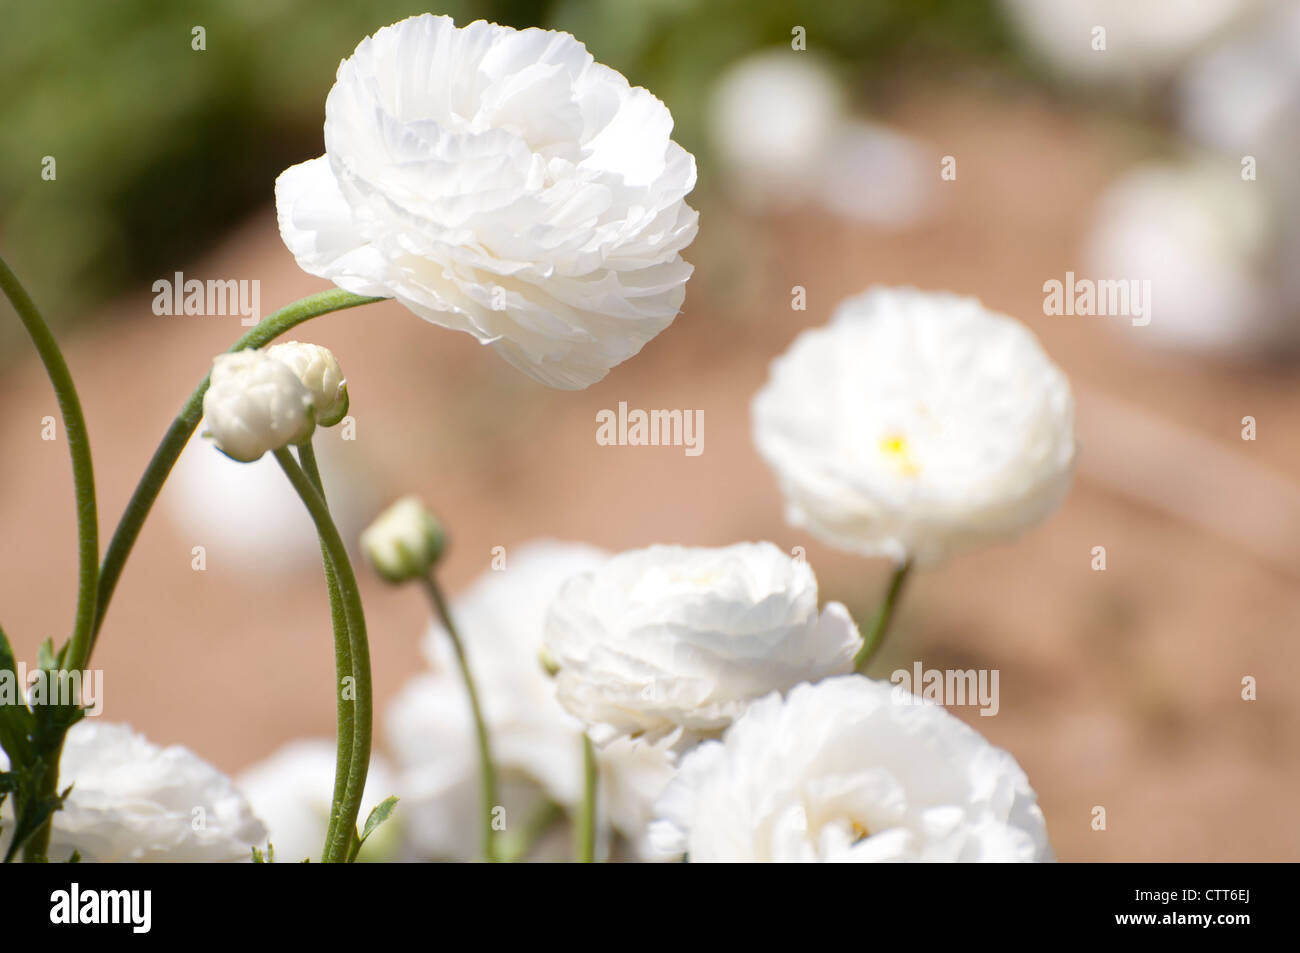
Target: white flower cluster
[(503, 183), (263, 400)]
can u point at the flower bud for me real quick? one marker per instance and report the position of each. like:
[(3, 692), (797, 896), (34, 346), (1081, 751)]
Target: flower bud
[(404, 542), (255, 403), (320, 374)]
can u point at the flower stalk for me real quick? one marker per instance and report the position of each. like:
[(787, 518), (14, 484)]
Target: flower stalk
[(487, 768), (182, 428), (884, 616), (358, 711), (342, 656)]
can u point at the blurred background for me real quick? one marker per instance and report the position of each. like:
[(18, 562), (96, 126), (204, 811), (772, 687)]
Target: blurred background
[(976, 146)]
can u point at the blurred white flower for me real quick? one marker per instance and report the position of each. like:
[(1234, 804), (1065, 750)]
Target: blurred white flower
[(673, 638), (536, 745), (781, 129), (255, 404), (404, 542), (247, 516), (133, 801), (502, 183), (292, 790), (1242, 96), (841, 772), (916, 424), (1206, 241), (320, 373), (1144, 42), (773, 116)]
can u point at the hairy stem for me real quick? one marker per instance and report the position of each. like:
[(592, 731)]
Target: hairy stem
[(487, 769), (342, 655), (181, 429), (83, 480), (359, 710)]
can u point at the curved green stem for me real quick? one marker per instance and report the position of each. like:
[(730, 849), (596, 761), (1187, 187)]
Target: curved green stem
[(83, 470), (173, 442), (487, 769), (362, 710), (884, 615), (342, 653), (586, 831), (77, 649)]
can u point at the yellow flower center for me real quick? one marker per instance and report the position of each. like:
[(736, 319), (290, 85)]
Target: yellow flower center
[(895, 449)]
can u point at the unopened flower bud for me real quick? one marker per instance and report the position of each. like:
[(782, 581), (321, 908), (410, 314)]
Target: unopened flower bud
[(320, 373), (255, 403), (404, 542)]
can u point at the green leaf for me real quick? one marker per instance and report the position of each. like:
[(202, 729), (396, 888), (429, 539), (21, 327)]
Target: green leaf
[(45, 655), (75, 858), (380, 814), (32, 819), (16, 721)]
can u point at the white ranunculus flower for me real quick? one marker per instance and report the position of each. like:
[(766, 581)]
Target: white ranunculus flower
[(916, 424), (320, 373), (536, 745), (841, 771), (292, 791), (134, 801), (503, 183), (255, 404), (673, 638)]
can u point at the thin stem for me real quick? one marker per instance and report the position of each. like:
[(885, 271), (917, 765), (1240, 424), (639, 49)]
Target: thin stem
[(362, 712), (83, 482), (884, 615), (178, 434), (83, 470), (543, 816), (487, 769), (586, 832), (342, 653)]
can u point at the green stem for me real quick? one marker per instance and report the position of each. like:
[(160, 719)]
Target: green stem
[(342, 654), (884, 615), (173, 442), (362, 710), (540, 819), (77, 652), (586, 832), (487, 769), (83, 470)]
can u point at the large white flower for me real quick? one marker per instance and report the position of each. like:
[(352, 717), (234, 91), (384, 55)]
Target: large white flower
[(536, 745), (670, 637), (502, 183), (841, 771), (916, 424), (292, 791), (134, 801)]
